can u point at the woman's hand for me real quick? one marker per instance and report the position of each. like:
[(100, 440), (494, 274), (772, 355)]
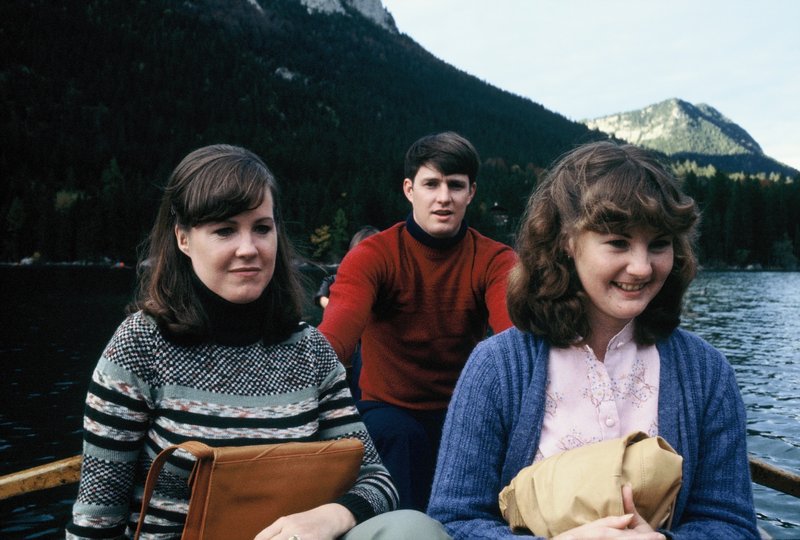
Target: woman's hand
[(325, 522), (631, 525), (637, 523)]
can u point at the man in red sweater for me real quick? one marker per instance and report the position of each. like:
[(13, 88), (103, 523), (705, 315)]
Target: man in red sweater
[(419, 295)]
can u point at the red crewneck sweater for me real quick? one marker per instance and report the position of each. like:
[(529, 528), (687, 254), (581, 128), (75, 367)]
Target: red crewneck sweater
[(419, 312)]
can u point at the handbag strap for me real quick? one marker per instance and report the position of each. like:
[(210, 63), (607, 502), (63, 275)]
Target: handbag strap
[(195, 448)]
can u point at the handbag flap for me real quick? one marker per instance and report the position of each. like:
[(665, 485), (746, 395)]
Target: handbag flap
[(249, 487), (291, 450)]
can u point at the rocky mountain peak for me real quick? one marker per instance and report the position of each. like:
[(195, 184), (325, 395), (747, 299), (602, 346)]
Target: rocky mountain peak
[(687, 131), (371, 9), (674, 126)]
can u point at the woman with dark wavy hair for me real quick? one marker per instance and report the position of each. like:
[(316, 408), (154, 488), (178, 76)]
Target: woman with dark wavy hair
[(214, 350), (211, 185), (605, 257)]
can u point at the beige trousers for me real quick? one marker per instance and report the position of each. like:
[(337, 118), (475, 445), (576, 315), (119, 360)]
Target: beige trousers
[(398, 525)]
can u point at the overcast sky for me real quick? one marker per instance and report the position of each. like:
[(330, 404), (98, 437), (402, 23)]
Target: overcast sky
[(590, 58)]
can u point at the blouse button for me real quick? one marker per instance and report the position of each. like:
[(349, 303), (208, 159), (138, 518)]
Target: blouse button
[(609, 421)]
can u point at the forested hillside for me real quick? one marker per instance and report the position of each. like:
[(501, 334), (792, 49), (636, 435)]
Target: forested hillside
[(101, 99), (747, 222)]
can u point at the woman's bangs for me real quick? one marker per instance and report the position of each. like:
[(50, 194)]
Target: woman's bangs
[(230, 194), (632, 198)]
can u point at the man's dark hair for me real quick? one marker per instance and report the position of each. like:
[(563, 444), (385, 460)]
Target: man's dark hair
[(447, 152)]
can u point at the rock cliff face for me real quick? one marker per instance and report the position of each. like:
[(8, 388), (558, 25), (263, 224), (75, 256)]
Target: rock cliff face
[(695, 132), (371, 9)]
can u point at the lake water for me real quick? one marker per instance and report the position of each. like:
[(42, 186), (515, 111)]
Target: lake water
[(754, 318), (54, 323)]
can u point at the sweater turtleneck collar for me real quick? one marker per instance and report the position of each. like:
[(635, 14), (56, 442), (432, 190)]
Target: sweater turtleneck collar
[(426, 239), (230, 323)]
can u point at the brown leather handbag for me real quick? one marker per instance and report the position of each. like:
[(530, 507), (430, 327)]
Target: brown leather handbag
[(236, 491)]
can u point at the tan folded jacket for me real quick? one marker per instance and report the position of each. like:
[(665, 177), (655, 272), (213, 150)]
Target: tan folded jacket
[(584, 484)]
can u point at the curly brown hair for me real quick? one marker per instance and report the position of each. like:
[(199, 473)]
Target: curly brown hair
[(212, 183), (601, 187)]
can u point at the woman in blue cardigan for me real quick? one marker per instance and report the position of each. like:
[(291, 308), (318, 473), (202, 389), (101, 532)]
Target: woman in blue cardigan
[(605, 257)]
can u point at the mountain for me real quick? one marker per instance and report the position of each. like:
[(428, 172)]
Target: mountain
[(100, 102), (698, 133), (370, 9)]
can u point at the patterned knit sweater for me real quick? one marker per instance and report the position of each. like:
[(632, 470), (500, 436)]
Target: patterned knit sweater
[(419, 308), (148, 393)]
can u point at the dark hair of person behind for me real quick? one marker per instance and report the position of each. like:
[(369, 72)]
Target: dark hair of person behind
[(210, 184), (364, 232), (447, 152), (601, 187)]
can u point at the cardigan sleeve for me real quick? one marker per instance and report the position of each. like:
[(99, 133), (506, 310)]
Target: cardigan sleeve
[(473, 448), (719, 503)]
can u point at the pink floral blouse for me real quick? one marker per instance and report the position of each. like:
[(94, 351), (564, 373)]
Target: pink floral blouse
[(591, 401)]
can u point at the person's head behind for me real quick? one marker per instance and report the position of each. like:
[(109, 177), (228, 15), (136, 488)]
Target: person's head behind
[(361, 234), (212, 184), (605, 188)]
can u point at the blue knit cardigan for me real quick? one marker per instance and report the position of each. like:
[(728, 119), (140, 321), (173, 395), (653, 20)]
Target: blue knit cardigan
[(495, 418)]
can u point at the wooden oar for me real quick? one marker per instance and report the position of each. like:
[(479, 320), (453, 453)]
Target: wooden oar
[(49, 475), (774, 477), (68, 471)]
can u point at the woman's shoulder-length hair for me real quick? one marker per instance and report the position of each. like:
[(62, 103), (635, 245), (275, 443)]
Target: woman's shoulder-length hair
[(602, 187), (210, 184)]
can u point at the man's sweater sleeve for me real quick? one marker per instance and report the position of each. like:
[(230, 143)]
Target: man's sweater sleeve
[(496, 285), (352, 297)]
